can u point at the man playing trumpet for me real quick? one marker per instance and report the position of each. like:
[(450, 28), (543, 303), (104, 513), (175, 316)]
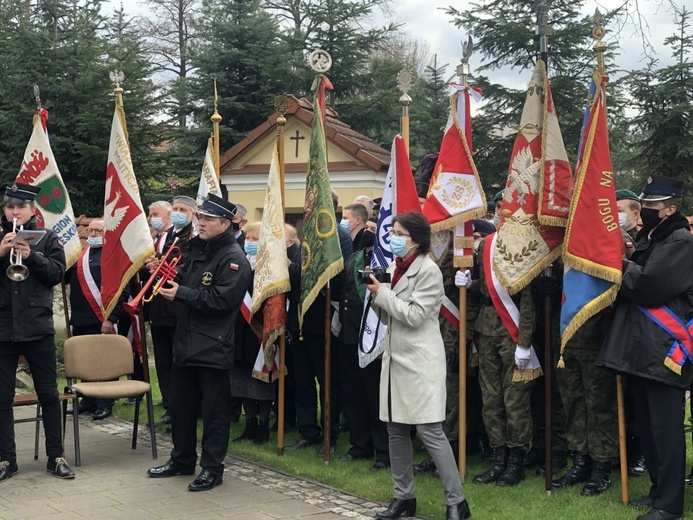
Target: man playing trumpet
[(26, 326)]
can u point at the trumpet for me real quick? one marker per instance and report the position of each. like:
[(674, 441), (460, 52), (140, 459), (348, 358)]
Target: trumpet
[(165, 271), (17, 271)]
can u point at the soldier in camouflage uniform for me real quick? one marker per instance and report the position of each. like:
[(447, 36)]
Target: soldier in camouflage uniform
[(506, 404), (628, 204)]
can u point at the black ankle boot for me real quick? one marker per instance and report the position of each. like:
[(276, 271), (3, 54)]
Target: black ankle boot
[(599, 480), (458, 511), (535, 457), (398, 508), (500, 460), (514, 472), (250, 430), (579, 473), (559, 461), (262, 435)]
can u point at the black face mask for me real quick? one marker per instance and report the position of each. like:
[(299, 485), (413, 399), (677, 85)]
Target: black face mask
[(368, 239), (650, 217), (235, 226)]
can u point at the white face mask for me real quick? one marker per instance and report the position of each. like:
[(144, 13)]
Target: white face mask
[(95, 241), (623, 220)]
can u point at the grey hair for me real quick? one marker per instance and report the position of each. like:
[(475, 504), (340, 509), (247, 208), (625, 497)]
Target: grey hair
[(165, 205)]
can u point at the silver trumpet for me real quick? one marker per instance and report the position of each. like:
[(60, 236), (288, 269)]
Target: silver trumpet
[(17, 271)]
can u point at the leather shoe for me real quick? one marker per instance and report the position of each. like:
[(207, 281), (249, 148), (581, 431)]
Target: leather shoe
[(101, 414), (7, 470), (170, 469), (300, 444), (399, 507), (458, 511), (59, 468), (427, 466), (165, 419), (321, 451), (205, 481), (641, 502), (637, 466), (689, 477), (85, 408), (379, 464), (130, 401), (658, 514)]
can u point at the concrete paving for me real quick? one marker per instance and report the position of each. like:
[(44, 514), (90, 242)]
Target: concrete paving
[(112, 483)]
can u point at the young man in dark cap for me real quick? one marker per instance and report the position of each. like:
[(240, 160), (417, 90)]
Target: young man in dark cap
[(209, 294), (26, 327), (628, 204), (650, 342)]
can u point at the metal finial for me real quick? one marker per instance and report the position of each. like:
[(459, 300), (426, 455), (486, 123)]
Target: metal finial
[(281, 107), (216, 117), (405, 81), (117, 77), (463, 68), (37, 96), (320, 61), (543, 30), (599, 31)]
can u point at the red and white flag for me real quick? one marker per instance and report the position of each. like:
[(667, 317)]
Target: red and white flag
[(127, 241)]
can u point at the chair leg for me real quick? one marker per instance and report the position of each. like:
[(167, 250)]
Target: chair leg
[(136, 421), (152, 428), (75, 419), (64, 405), (38, 425)]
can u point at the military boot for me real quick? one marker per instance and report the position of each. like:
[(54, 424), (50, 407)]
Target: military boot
[(514, 472), (579, 473), (559, 461), (599, 479), (499, 461)]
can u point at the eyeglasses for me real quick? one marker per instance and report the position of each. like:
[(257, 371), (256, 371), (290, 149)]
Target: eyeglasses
[(94, 231), (394, 233)]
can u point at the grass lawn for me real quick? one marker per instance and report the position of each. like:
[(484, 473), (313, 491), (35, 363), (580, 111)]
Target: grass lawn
[(527, 501)]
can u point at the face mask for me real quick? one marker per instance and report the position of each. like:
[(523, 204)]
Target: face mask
[(235, 226), (344, 224), (157, 223), (476, 245), (95, 241), (250, 248), (179, 219), (398, 246), (496, 220), (650, 217), (368, 239), (623, 220)]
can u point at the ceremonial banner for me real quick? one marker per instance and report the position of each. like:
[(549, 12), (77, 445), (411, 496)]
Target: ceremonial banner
[(53, 207), (127, 241), (271, 279), (593, 249), (208, 180), (455, 194), (399, 196), (321, 255), (537, 195)]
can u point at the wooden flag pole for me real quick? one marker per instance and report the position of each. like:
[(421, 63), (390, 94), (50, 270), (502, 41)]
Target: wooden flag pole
[(404, 83), (462, 385), (216, 119)]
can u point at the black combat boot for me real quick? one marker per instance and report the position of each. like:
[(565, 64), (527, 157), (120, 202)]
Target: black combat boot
[(514, 472), (500, 460), (579, 473), (559, 461), (250, 430), (599, 479), (534, 457)]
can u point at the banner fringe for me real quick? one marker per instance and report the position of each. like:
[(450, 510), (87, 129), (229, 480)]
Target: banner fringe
[(525, 376), (281, 287), (463, 261), (530, 275), (330, 272), (590, 309), (366, 359), (460, 218), (674, 367)]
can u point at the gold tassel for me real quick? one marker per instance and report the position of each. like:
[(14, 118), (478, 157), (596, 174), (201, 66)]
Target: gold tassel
[(672, 366), (474, 360), (561, 363), (525, 376)]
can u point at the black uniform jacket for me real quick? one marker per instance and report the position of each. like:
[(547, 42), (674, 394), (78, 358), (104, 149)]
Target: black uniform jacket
[(26, 308), (660, 272), (212, 284)]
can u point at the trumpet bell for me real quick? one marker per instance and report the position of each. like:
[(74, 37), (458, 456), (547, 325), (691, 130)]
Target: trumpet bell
[(17, 272)]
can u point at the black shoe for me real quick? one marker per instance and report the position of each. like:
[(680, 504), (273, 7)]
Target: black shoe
[(321, 451), (658, 514), (637, 466), (641, 502), (300, 444), (500, 460), (514, 472), (85, 408), (349, 457), (599, 480), (59, 468), (577, 474), (7, 470), (262, 436), (130, 401), (379, 464), (559, 461), (101, 414), (170, 469), (458, 511), (689, 477), (249, 431), (165, 419), (399, 507), (288, 427), (427, 466), (205, 481), (534, 457)]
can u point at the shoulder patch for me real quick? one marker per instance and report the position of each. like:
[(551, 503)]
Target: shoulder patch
[(233, 266)]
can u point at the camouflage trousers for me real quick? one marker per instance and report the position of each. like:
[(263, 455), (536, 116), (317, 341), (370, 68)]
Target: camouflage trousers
[(589, 397), (452, 405), (506, 405)]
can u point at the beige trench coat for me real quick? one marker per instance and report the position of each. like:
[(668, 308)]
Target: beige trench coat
[(412, 380)]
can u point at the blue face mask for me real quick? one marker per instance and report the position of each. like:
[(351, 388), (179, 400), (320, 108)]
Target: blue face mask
[(157, 223), (398, 246), (496, 221), (250, 248), (179, 219), (95, 241), (344, 224)]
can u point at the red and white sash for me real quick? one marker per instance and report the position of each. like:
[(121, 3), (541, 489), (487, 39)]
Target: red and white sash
[(504, 304), (450, 312), (91, 291)]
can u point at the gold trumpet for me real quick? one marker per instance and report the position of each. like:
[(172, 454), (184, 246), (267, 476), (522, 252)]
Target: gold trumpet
[(17, 271), (164, 272)]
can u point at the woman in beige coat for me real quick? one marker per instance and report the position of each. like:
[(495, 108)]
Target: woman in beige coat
[(412, 381)]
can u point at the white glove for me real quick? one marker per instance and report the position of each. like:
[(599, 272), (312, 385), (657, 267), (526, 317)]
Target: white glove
[(522, 355), (463, 279)]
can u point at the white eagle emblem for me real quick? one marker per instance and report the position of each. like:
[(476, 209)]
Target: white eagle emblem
[(523, 178), (112, 215)]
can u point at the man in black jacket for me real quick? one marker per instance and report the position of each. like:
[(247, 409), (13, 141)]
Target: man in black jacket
[(650, 341), (26, 327), (213, 282)]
